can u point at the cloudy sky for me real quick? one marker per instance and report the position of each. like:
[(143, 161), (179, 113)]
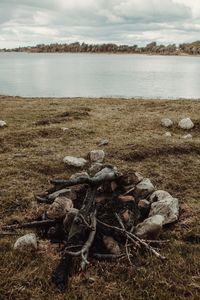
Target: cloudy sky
[(31, 22)]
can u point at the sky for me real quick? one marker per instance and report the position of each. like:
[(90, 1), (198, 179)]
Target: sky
[(32, 22)]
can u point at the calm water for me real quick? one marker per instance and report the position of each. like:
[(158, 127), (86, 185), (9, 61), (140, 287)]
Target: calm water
[(99, 75)]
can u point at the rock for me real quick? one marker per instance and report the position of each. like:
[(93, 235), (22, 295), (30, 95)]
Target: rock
[(59, 208), (74, 161), (95, 168), (165, 122), (186, 123), (144, 188), (167, 207), (79, 174), (96, 155), (167, 134), (107, 172), (111, 245), (2, 124), (103, 142), (26, 242), (159, 195), (69, 218), (144, 203), (126, 198), (65, 128), (150, 228), (187, 136)]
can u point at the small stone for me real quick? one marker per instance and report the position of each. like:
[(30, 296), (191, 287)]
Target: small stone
[(187, 136), (165, 122), (150, 228), (125, 216), (158, 195), (111, 245), (2, 124), (103, 142), (79, 174), (167, 134), (96, 155), (65, 128), (126, 198), (144, 188), (186, 123), (59, 208), (26, 242), (167, 207), (144, 204), (95, 168), (74, 161)]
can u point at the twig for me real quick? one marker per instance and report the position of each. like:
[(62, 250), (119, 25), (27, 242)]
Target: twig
[(34, 224)]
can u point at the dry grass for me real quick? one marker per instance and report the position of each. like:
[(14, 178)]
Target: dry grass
[(31, 152)]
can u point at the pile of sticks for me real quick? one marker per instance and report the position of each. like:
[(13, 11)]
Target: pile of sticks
[(99, 206)]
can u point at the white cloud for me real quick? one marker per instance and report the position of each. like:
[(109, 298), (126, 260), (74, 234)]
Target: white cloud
[(24, 22)]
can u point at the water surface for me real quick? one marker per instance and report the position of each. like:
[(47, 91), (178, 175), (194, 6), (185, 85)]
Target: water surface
[(99, 75)]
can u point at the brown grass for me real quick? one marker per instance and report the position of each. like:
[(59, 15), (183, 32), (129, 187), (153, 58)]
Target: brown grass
[(31, 152)]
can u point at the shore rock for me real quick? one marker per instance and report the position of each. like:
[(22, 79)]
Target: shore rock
[(144, 188), (59, 208), (167, 134), (186, 123), (96, 156), (74, 161), (95, 168), (167, 207), (26, 242), (150, 228), (159, 195), (187, 136), (2, 124), (165, 122)]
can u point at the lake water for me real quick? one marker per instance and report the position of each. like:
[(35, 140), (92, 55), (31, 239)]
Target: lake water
[(99, 75)]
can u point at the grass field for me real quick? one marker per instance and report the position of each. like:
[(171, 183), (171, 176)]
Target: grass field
[(32, 147)]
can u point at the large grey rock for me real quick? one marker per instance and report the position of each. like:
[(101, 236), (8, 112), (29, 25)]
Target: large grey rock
[(150, 228), (2, 124), (186, 123), (96, 155), (165, 122), (167, 207), (59, 208), (159, 195), (144, 188), (74, 161), (95, 168), (26, 242)]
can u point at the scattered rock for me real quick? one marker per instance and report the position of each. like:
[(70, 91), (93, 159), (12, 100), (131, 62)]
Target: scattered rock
[(187, 136), (126, 198), (111, 245), (150, 228), (79, 174), (26, 242), (103, 142), (186, 123), (95, 168), (74, 161), (59, 208), (167, 134), (96, 155), (144, 188), (159, 195), (143, 203), (70, 215), (165, 122), (2, 124), (167, 207), (65, 128)]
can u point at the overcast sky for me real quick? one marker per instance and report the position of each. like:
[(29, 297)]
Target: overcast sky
[(31, 22)]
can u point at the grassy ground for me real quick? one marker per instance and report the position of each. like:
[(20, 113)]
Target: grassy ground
[(31, 151)]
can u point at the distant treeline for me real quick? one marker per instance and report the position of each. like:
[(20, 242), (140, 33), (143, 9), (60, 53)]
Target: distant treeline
[(152, 48)]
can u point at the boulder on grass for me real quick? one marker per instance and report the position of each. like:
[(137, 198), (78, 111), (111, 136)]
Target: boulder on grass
[(150, 228), (144, 188), (186, 123), (74, 161), (165, 122), (159, 195), (26, 242), (96, 156)]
